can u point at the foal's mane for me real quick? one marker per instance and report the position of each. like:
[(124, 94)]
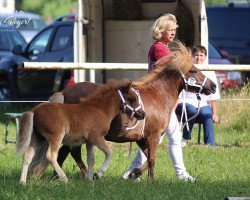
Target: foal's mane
[(110, 86), (180, 60)]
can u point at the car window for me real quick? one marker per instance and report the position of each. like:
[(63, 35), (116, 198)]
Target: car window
[(39, 45), (62, 38), (213, 52), (234, 75), (8, 39)]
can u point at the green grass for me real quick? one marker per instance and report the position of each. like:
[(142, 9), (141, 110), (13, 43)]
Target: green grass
[(221, 171)]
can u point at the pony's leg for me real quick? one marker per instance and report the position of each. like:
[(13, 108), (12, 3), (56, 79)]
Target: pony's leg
[(62, 155), (90, 160), (152, 147), (28, 155), (150, 153), (142, 154), (101, 143), (52, 157), (76, 154)]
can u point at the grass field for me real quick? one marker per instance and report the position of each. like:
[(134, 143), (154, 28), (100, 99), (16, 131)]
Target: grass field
[(223, 171)]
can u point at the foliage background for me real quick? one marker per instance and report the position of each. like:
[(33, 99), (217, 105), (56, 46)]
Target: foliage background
[(46, 8)]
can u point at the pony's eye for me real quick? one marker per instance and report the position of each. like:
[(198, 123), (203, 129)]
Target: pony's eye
[(132, 99), (192, 71)]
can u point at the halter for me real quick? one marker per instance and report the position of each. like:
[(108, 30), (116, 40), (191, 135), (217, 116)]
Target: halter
[(133, 110), (126, 105), (191, 82)]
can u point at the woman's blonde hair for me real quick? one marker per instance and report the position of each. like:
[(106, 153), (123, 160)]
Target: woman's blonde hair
[(163, 23)]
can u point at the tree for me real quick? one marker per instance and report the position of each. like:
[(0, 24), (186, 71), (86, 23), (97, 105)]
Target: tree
[(215, 2), (47, 8)]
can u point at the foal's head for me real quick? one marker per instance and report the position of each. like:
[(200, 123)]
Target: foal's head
[(131, 100)]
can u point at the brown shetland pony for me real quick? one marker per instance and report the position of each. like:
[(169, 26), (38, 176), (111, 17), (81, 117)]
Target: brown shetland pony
[(74, 124), (159, 92)]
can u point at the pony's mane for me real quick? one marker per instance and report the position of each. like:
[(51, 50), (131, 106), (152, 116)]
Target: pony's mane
[(180, 59)]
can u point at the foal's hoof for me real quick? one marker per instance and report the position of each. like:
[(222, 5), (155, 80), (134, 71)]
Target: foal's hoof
[(22, 183), (96, 176), (64, 179)]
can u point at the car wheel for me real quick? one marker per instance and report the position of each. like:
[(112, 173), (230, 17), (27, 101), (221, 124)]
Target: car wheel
[(4, 92)]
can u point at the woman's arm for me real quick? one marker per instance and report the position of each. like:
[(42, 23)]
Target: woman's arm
[(214, 111)]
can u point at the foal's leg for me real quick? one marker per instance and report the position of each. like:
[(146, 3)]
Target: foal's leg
[(28, 155), (90, 160), (52, 157), (101, 143), (62, 155)]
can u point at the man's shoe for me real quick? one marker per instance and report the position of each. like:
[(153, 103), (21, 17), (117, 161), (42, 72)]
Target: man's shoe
[(184, 142)]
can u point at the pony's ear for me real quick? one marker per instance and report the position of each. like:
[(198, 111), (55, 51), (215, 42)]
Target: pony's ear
[(126, 86)]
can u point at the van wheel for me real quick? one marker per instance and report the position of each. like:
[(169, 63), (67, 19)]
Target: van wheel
[(4, 92)]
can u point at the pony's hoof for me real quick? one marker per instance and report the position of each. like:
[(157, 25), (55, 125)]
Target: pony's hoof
[(96, 176)]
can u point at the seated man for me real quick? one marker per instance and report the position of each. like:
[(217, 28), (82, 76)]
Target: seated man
[(208, 105)]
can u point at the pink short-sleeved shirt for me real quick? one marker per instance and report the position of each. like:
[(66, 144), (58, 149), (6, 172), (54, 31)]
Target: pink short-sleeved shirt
[(156, 51)]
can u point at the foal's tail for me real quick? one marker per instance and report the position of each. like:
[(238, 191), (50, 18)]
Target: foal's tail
[(57, 97), (25, 132)]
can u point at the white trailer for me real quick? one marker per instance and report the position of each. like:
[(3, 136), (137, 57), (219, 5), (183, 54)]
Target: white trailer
[(111, 44), (117, 31)]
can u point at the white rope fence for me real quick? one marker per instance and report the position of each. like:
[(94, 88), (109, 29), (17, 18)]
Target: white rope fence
[(123, 66)]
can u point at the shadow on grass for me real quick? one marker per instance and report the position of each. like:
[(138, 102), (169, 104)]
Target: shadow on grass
[(231, 145), (116, 188)]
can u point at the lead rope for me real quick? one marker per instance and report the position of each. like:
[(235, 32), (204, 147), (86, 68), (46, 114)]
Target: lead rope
[(194, 116), (184, 111)]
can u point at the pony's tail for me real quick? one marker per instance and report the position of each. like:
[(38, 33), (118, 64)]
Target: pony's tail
[(57, 97), (25, 132), (40, 162)]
